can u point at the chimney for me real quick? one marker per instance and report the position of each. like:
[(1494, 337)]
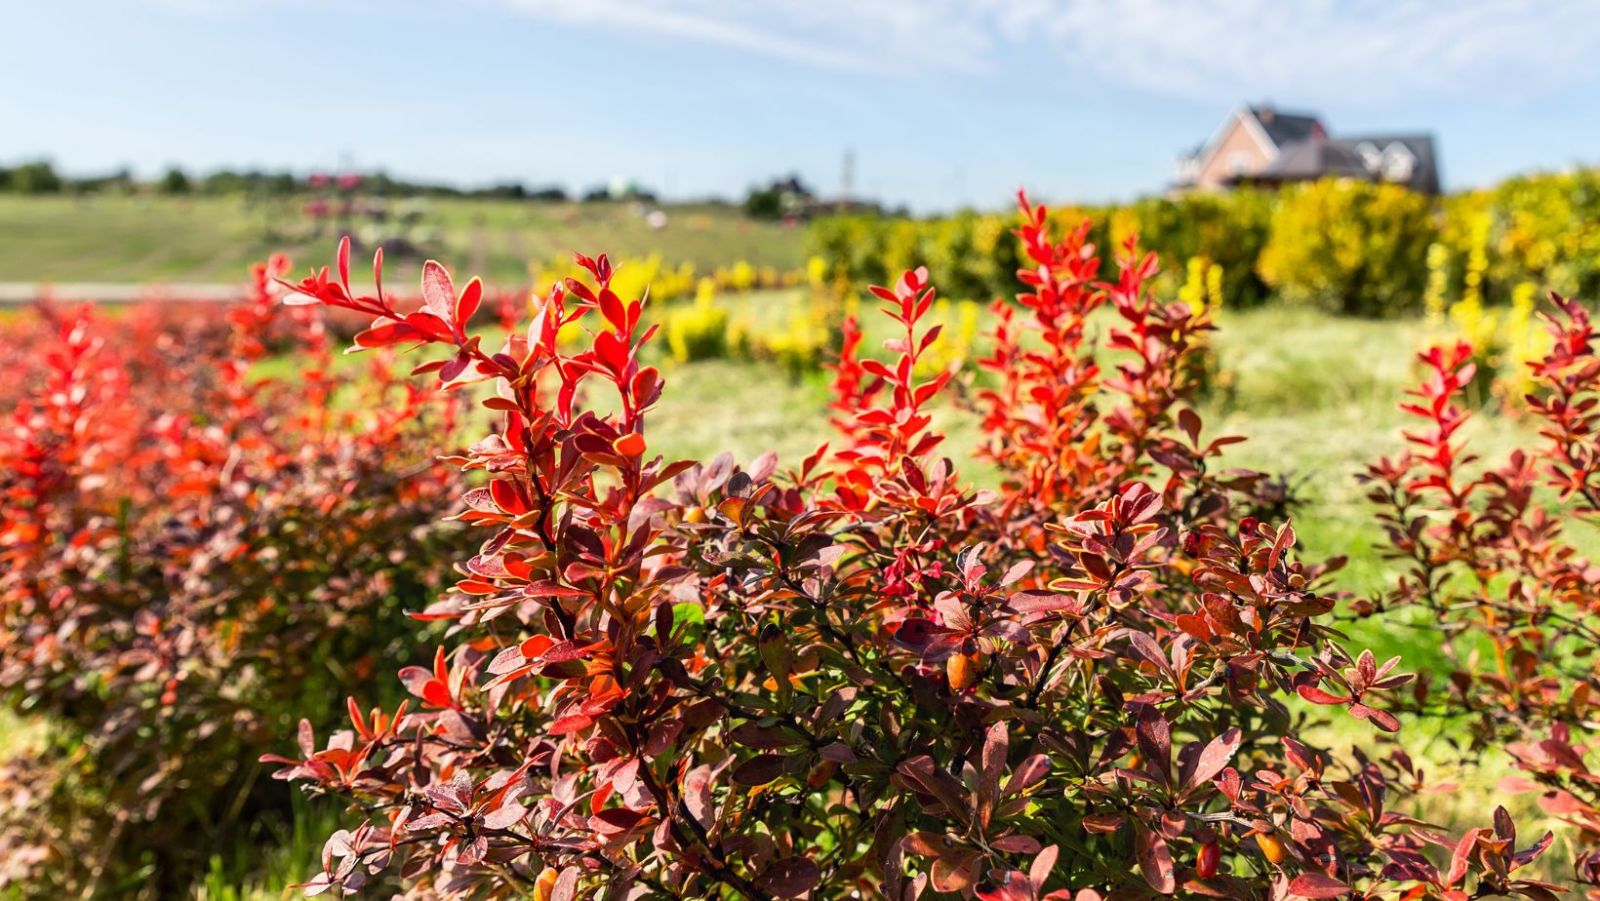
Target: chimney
[(1265, 112)]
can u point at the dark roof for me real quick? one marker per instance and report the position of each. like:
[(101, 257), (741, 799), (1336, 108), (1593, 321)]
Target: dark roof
[(1285, 128), (1312, 159), (1358, 157), (1424, 173)]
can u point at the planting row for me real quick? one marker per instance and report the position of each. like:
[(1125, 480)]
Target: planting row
[(1346, 246)]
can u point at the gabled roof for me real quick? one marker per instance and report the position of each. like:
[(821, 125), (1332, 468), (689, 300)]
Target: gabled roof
[(1297, 147), (1270, 128), (1312, 159), (1284, 128), (1403, 159)]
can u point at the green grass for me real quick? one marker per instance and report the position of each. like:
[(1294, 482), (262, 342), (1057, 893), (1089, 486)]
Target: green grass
[(146, 238)]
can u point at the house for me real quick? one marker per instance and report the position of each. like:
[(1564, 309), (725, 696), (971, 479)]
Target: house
[(1263, 146)]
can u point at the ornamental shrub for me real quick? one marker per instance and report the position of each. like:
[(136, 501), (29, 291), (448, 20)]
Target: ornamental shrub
[(1542, 228), (1226, 230), (1488, 559), (858, 676), (188, 553), (1350, 247), (697, 330)]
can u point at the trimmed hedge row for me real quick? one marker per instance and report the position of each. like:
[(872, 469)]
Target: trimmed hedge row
[(1346, 246)]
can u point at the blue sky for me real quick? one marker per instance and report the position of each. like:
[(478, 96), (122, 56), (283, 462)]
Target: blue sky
[(944, 102)]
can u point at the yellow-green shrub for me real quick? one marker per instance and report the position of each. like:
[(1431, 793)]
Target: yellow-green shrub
[(1350, 247), (1542, 228), (698, 330), (954, 346)]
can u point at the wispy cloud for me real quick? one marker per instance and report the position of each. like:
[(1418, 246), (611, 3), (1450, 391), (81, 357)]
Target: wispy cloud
[(1368, 51), (853, 35)]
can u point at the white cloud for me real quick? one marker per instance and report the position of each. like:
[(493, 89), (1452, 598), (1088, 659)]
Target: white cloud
[(1355, 51), (861, 35)]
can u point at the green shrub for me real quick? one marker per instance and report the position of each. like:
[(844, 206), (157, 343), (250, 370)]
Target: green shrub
[(1227, 230)]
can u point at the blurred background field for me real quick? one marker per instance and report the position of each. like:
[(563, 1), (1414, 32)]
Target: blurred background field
[(152, 238)]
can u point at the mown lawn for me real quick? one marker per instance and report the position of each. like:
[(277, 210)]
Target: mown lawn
[(139, 239)]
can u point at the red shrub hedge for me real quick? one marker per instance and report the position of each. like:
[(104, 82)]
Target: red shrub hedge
[(189, 552), (858, 675), (1491, 559)]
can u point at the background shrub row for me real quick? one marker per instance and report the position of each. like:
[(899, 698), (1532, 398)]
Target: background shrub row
[(1345, 246)]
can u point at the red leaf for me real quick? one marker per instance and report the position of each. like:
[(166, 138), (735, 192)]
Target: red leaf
[(575, 723), (1155, 860), (1317, 885), (790, 877), (385, 334), (508, 497), (344, 262), (436, 693), (1317, 696), (1216, 755), (467, 303), (438, 294)]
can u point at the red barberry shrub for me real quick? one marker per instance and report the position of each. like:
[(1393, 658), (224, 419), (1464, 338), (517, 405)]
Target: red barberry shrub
[(1487, 552), (189, 551), (859, 677)]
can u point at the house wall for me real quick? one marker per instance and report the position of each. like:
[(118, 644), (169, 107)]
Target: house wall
[(1237, 153)]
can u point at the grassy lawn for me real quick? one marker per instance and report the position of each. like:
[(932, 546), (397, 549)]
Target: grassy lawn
[(110, 238)]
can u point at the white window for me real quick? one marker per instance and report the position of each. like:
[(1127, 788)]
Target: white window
[(1371, 156), (1398, 163)]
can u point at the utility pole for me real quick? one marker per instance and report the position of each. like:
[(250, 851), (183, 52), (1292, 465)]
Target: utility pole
[(847, 179)]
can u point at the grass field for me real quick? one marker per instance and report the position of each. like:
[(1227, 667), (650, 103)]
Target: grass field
[(138, 239)]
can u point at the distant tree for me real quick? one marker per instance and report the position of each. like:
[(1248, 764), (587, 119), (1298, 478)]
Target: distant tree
[(763, 203), (280, 183), (781, 197), (384, 185), (120, 180), (175, 181), (550, 194), (508, 190), (38, 177)]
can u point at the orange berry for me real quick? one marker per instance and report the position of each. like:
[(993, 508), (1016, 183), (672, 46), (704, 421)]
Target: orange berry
[(1271, 847), (545, 884), (962, 670), (821, 773)]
